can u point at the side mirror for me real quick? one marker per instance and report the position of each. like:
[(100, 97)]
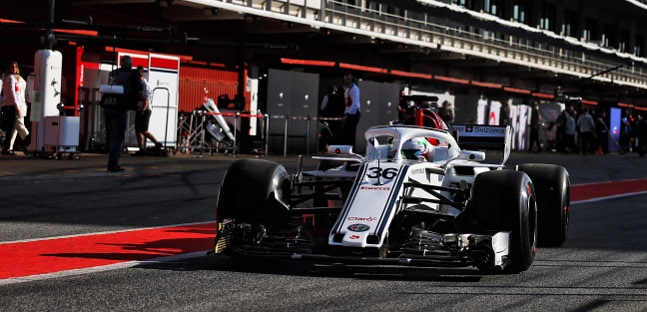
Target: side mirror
[(471, 155), (340, 149)]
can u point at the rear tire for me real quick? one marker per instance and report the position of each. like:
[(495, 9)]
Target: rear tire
[(552, 186), (255, 191), (504, 200)]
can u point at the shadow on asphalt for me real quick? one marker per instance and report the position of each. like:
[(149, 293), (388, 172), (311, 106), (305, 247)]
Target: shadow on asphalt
[(145, 251), (310, 269)]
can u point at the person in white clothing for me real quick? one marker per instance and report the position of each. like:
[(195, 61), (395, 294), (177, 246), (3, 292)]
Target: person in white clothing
[(352, 112), (14, 108), (1, 84)]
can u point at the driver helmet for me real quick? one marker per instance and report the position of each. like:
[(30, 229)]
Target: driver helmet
[(417, 148)]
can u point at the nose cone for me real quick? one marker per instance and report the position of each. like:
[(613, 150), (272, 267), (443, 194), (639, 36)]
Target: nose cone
[(355, 239)]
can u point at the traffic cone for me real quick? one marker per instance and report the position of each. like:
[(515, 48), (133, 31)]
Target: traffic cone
[(600, 152)]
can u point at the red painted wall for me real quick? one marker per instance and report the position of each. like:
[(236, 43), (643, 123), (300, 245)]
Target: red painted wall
[(195, 76)]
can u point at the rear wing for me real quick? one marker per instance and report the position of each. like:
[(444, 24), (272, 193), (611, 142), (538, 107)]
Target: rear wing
[(482, 137)]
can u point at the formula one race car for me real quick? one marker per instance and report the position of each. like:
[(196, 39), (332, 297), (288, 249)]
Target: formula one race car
[(415, 198)]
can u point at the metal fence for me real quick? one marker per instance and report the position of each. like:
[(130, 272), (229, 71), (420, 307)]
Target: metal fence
[(193, 137)]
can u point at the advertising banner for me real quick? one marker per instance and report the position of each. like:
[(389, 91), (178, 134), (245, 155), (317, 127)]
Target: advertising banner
[(614, 127), (514, 116), (522, 136), (481, 112), (495, 112)]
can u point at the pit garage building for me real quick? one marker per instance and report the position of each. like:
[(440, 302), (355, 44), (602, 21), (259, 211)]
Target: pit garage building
[(279, 56)]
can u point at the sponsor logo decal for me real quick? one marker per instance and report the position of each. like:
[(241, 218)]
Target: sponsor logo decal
[(418, 171), (376, 188), (354, 237), (485, 131), (362, 219), (358, 227), (490, 130)]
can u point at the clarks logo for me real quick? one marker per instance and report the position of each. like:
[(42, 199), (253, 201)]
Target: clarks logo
[(376, 188), (362, 219)]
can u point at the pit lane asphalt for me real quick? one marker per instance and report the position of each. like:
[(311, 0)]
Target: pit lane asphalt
[(602, 266)]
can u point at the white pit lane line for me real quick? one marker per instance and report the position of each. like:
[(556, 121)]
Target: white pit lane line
[(584, 201)]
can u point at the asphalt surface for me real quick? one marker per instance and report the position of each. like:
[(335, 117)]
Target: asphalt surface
[(602, 266)]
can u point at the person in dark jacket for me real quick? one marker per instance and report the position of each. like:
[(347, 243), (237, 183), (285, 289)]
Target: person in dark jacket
[(602, 132), (626, 132), (640, 131), (535, 121), (446, 113), (115, 108)]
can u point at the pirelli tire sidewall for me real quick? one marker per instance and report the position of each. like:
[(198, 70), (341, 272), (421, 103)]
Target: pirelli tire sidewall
[(504, 200), (254, 191), (552, 185)]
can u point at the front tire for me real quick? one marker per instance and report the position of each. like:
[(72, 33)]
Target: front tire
[(254, 191), (504, 200)]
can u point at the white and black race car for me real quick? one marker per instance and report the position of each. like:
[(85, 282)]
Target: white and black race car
[(416, 198)]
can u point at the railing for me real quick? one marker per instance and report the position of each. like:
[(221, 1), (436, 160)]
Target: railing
[(193, 137), (416, 27)]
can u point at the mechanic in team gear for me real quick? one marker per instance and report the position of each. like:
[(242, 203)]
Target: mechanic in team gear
[(116, 111), (418, 149), (14, 108), (351, 114)]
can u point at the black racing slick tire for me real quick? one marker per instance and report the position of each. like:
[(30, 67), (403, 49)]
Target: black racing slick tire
[(552, 186), (255, 191), (504, 200)]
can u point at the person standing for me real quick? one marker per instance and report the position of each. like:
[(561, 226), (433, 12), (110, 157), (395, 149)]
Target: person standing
[(446, 113), (143, 116), (1, 93), (115, 108), (640, 130), (535, 121), (626, 132), (504, 114), (602, 131), (560, 130), (585, 125), (570, 131), (14, 108), (352, 112), (19, 126)]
